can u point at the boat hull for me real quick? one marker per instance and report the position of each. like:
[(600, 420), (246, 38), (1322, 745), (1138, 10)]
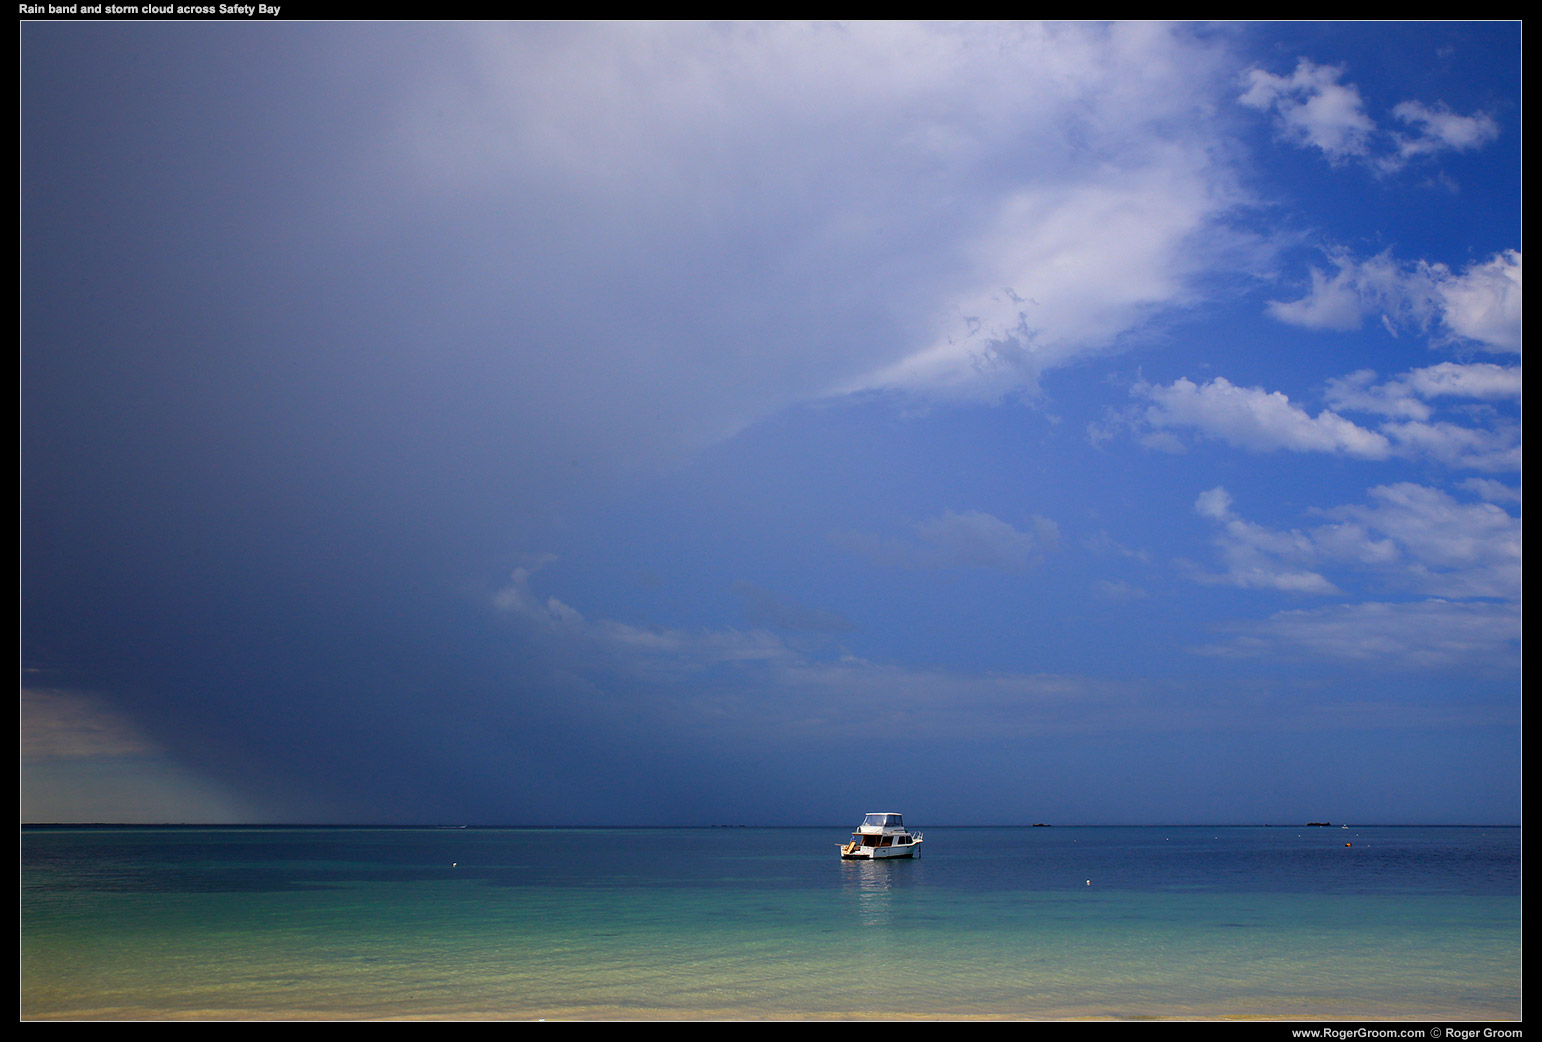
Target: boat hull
[(862, 852), (881, 853)]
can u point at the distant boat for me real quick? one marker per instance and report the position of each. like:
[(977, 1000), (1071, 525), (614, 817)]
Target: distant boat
[(881, 835)]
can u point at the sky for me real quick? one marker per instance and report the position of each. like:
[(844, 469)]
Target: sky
[(768, 423)]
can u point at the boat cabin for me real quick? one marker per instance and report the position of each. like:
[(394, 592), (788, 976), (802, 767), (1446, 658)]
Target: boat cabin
[(881, 830)]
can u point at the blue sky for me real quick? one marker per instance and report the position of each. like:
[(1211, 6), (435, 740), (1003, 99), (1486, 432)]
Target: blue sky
[(767, 423)]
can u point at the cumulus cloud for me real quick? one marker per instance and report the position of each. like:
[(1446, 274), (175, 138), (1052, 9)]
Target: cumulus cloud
[(1265, 421), (1483, 303), (1252, 418)]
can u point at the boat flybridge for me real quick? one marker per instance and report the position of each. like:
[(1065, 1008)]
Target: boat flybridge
[(882, 835)]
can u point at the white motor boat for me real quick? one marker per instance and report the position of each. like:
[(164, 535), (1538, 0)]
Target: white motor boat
[(881, 835)]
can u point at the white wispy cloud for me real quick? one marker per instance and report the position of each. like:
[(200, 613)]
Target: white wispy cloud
[(763, 607), (1258, 557), (1359, 289), (1409, 538), (1480, 305), (1492, 491), (1118, 590), (972, 538), (684, 680), (1066, 271), (1407, 395), (1429, 634), (1438, 129), (725, 678)]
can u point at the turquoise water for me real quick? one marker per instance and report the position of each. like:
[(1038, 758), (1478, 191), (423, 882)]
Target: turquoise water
[(1285, 922)]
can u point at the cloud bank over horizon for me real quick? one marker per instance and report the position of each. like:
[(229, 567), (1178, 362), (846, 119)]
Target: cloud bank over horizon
[(555, 423)]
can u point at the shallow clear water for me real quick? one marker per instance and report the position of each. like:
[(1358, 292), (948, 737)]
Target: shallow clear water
[(525, 923)]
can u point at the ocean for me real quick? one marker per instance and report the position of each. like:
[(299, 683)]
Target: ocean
[(1190, 923)]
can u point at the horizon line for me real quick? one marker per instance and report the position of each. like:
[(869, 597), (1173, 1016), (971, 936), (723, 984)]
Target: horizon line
[(739, 825)]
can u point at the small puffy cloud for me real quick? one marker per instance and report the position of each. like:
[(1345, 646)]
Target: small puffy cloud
[(1482, 380), (1312, 108), (1438, 129), (1214, 503), (1359, 392)]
